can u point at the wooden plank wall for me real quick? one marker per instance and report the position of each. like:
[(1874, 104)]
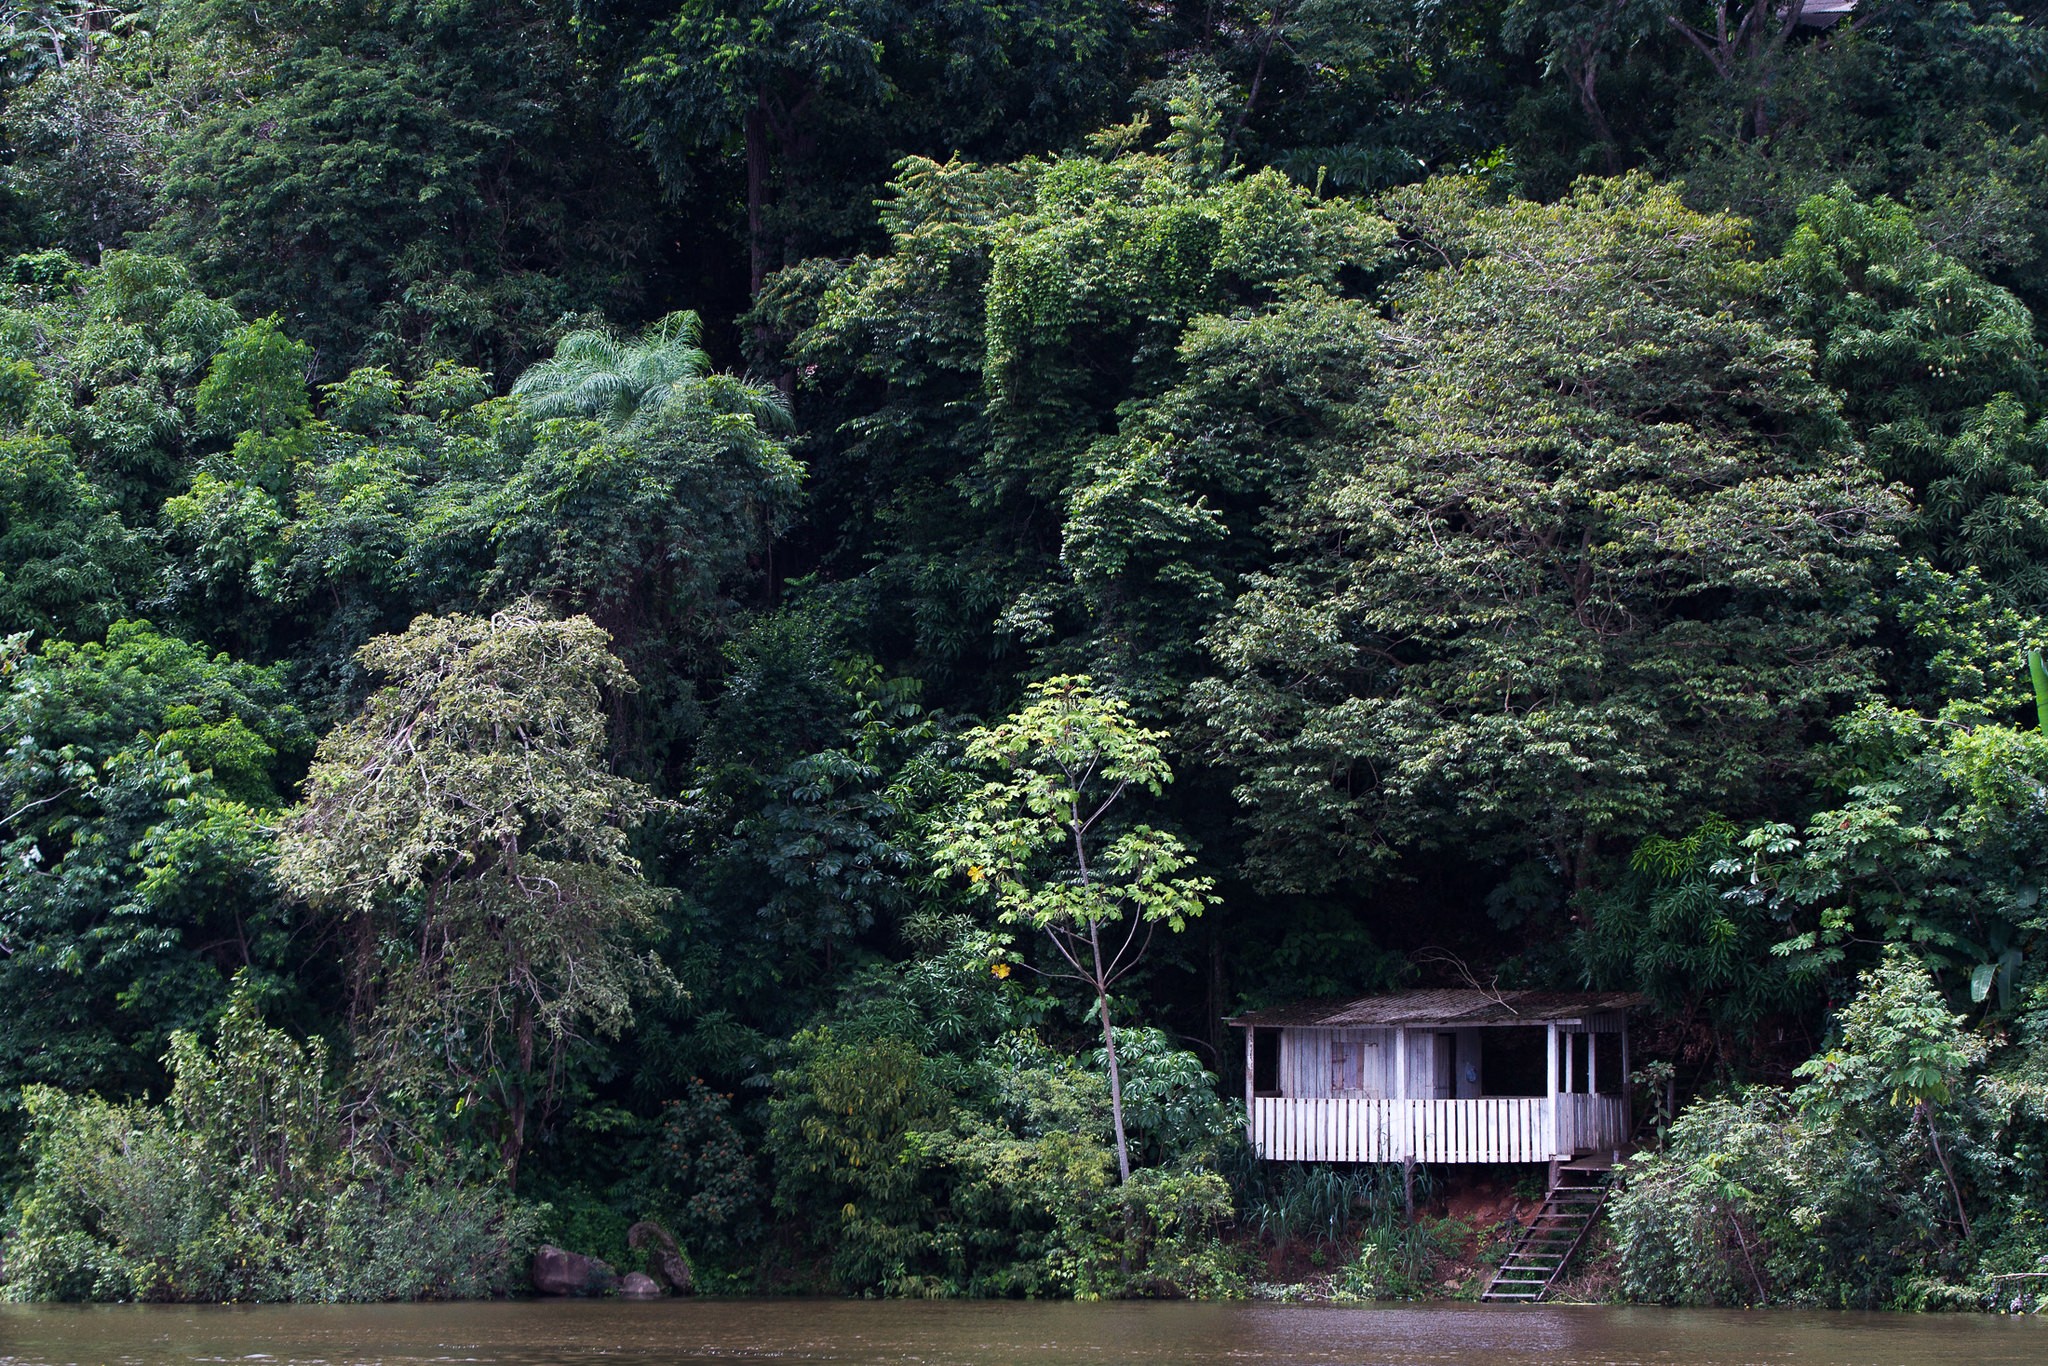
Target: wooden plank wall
[(1421, 1064), (1305, 1061), (1469, 1053)]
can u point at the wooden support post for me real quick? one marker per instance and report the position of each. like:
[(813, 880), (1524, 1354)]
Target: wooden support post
[(1628, 1088), (1250, 1096), (1402, 1108), (1407, 1121), (1550, 1123)]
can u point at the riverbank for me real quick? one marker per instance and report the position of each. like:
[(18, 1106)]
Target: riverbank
[(1000, 1333)]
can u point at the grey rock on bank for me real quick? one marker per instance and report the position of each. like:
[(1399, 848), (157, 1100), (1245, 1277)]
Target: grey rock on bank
[(638, 1285), (556, 1272), (666, 1257)]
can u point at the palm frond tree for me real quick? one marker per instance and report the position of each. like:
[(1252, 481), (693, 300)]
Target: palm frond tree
[(595, 373)]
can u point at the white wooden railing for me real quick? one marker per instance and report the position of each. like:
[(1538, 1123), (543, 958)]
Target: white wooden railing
[(1591, 1124), (1500, 1129)]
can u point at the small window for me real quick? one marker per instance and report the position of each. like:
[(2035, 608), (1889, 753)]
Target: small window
[(1445, 1077), (1607, 1078), (1265, 1062), (1347, 1066), (1511, 1060), (1579, 1060)]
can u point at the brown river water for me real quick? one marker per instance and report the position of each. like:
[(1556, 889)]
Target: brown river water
[(992, 1334)]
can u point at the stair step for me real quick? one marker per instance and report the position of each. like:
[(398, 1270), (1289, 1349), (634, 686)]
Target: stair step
[(1539, 1254)]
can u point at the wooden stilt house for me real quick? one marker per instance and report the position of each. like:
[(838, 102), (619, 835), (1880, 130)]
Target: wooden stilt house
[(1439, 1076)]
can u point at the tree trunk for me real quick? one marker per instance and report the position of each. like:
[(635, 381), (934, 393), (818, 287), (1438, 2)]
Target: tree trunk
[(1274, 18), (1587, 79), (516, 1099), (1954, 1190), (1219, 1033), (362, 969), (1116, 1090), (757, 195)]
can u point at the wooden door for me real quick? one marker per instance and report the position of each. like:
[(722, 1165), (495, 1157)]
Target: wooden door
[(1444, 1075)]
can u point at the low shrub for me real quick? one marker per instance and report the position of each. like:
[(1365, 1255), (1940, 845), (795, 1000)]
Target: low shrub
[(1866, 1187), (1157, 1235), (1394, 1261), (238, 1189)]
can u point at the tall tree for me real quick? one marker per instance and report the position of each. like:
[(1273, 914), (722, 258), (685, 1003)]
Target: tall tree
[(468, 839), (1940, 374), (402, 183), (138, 776), (1597, 568), (818, 98), (1055, 412), (67, 564), (1044, 841)]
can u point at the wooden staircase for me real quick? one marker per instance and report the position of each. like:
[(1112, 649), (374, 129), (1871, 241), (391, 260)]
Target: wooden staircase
[(1544, 1248)]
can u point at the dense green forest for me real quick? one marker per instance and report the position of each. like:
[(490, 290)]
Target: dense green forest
[(759, 615)]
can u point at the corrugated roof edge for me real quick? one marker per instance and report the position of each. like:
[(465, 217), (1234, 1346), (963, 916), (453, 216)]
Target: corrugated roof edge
[(1441, 1007)]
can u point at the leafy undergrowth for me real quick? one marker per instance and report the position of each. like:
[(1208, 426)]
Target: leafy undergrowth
[(1594, 1276)]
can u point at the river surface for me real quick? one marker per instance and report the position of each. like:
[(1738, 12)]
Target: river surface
[(994, 1334)]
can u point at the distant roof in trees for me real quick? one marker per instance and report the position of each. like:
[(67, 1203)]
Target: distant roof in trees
[(1441, 1007), (1824, 13)]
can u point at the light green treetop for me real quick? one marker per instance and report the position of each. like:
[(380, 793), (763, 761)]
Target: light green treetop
[(596, 373), (1900, 1044), (1039, 842), (469, 835)]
